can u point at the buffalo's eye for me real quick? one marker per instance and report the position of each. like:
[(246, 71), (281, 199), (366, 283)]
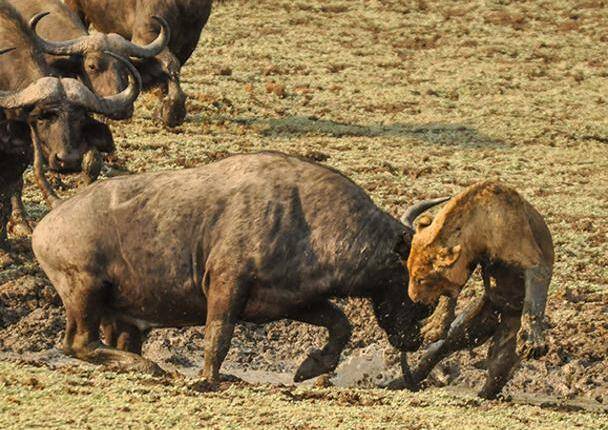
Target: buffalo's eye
[(46, 116)]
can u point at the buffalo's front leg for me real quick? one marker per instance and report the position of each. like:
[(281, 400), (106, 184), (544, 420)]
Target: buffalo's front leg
[(501, 356), (225, 301), (328, 315), (406, 380), (470, 329), (530, 340), (173, 112), (18, 224), (5, 210)]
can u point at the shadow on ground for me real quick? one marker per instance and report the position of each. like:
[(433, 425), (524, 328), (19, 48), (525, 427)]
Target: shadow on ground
[(435, 133)]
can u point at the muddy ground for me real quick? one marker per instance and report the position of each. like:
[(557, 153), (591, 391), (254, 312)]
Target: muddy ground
[(412, 100)]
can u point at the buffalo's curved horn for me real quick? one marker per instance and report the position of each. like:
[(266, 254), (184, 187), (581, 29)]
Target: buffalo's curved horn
[(78, 93), (67, 47), (152, 49), (44, 88), (47, 191), (114, 42), (417, 209)]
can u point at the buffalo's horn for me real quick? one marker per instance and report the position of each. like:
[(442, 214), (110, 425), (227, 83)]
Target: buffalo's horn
[(44, 88), (115, 42), (79, 94), (47, 191), (67, 47), (152, 49), (416, 210)]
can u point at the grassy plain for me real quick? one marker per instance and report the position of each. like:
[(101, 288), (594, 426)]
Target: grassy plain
[(412, 99)]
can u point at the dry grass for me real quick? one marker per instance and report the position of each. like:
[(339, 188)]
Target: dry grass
[(83, 398)]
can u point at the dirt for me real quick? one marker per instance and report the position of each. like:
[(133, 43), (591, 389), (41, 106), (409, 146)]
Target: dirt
[(576, 368), (412, 100)]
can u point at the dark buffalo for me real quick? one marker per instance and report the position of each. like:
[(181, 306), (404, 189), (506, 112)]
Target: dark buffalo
[(73, 52), (54, 110), (132, 19), (256, 238)]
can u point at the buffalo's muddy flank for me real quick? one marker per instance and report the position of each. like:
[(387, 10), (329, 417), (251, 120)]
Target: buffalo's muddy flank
[(412, 100)]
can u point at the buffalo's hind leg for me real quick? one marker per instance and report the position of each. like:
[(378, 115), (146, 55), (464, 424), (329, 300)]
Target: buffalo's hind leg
[(327, 315), (122, 335), (470, 329), (84, 298)]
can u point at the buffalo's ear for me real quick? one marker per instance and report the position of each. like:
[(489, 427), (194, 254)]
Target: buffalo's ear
[(448, 256), (403, 245), (99, 136), (423, 222), (18, 132)]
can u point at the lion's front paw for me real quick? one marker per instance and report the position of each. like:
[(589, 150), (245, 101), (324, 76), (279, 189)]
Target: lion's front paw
[(531, 345)]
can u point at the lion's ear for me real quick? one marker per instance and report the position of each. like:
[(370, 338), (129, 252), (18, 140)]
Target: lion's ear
[(423, 222), (448, 256)]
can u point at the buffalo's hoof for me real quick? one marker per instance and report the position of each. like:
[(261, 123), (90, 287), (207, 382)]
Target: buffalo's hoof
[(144, 366), (173, 113), (402, 384), (151, 368), (5, 259), (203, 386), (489, 393), (314, 365), (19, 227)]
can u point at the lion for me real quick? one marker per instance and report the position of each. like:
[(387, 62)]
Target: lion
[(489, 225)]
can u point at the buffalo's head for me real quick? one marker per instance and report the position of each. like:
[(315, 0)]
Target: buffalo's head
[(58, 110), (101, 72), (396, 313)]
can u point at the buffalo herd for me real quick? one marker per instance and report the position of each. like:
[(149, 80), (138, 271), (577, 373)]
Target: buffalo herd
[(254, 237)]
